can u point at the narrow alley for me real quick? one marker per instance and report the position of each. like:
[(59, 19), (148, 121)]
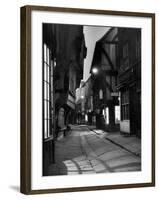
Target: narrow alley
[(91, 99), (83, 151)]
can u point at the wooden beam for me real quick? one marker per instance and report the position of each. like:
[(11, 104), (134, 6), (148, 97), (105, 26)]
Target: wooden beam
[(110, 42), (108, 58)]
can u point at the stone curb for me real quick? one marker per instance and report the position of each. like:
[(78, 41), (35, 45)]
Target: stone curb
[(116, 143)]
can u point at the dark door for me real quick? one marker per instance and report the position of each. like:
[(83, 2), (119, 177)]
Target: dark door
[(133, 111)]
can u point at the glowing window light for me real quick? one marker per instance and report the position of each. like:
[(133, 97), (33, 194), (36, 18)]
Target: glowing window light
[(107, 115), (86, 118)]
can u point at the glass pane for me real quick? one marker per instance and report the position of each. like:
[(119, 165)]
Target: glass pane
[(48, 124), (45, 52), (47, 87), (47, 58), (52, 103), (128, 112), (45, 129), (47, 78), (107, 115), (124, 112), (117, 114), (48, 92), (45, 71), (48, 109), (45, 90), (45, 109)]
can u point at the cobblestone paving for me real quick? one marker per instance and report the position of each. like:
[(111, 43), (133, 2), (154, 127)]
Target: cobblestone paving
[(83, 151)]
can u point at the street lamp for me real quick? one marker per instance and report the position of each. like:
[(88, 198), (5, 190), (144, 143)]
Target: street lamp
[(95, 70), (82, 97)]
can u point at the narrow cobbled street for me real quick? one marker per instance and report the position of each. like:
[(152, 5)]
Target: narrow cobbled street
[(83, 151)]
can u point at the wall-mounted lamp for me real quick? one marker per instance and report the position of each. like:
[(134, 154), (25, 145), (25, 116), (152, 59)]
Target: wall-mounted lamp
[(95, 70), (82, 97)]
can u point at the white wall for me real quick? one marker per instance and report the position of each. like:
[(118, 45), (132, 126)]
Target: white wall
[(10, 103)]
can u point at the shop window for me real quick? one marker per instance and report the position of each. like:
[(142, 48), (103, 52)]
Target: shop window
[(117, 114), (47, 92), (125, 105), (105, 113)]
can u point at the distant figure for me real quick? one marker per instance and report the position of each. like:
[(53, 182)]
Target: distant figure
[(61, 118)]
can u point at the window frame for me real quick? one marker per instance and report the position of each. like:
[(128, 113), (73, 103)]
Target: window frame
[(48, 91), (125, 105)]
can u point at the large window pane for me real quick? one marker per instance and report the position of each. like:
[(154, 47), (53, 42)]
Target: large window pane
[(48, 91), (125, 105)]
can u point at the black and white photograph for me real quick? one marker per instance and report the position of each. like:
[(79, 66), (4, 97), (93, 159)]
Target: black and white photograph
[(88, 99), (91, 99)]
